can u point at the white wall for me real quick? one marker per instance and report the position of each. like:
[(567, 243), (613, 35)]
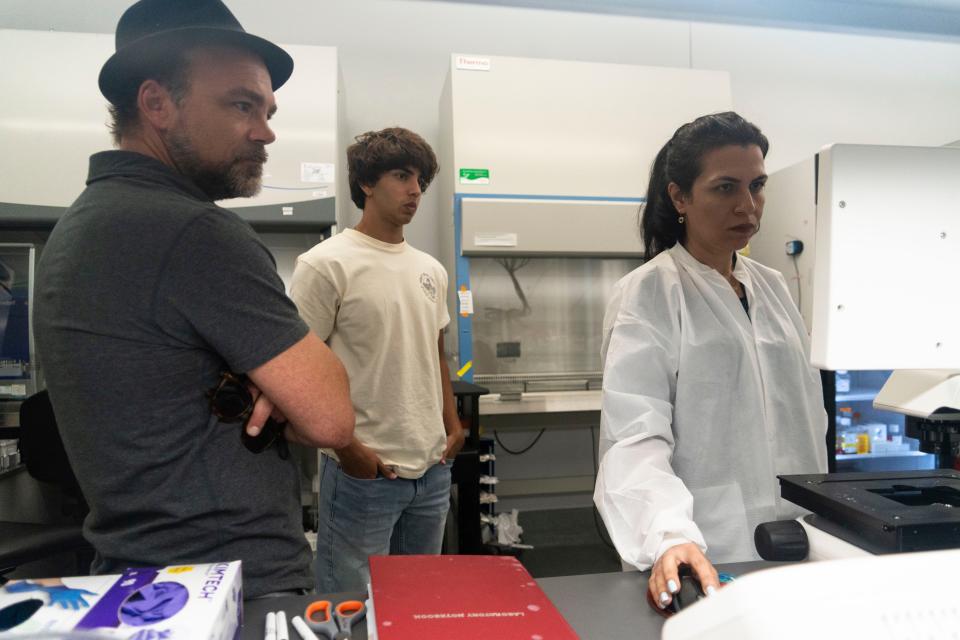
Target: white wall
[(805, 89)]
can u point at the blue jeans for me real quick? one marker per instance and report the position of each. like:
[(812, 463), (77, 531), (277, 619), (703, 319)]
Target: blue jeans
[(362, 518)]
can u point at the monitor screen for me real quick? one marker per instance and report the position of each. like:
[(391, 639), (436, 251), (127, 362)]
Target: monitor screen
[(16, 335)]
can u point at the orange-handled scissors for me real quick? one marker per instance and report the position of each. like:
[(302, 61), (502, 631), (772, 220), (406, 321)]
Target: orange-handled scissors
[(335, 623)]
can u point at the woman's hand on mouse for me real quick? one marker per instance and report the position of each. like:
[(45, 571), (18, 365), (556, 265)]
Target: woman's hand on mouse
[(665, 575)]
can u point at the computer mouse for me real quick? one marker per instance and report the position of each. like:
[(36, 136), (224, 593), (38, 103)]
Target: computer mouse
[(690, 591)]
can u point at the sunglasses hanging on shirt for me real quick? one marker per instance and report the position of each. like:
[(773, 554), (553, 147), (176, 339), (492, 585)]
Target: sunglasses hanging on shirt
[(232, 402)]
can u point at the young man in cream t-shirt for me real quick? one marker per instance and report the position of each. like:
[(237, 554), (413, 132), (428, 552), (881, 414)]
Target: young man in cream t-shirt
[(380, 305)]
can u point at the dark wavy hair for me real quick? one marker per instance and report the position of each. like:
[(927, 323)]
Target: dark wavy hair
[(679, 161), (376, 152)]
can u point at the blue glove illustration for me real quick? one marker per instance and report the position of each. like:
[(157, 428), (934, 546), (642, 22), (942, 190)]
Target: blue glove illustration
[(69, 598), (66, 597), (154, 602)]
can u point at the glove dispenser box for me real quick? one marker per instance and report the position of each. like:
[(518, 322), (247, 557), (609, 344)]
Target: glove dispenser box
[(203, 601)]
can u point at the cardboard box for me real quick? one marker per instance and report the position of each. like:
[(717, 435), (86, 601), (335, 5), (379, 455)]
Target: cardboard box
[(203, 601)]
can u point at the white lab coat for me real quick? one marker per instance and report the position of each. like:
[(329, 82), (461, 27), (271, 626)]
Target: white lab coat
[(702, 408)]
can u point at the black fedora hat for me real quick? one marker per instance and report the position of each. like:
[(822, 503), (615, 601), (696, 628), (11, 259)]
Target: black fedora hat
[(151, 29)]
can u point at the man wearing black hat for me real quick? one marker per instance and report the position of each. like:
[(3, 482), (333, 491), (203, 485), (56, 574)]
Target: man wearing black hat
[(152, 300)]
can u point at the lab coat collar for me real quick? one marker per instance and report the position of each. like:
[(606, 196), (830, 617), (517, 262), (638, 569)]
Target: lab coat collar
[(684, 257), (740, 271)]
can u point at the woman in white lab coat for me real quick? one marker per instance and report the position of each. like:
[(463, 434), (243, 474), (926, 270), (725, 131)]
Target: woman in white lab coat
[(708, 393)]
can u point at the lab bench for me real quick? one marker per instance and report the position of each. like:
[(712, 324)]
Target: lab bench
[(553, 411), (601, 606)]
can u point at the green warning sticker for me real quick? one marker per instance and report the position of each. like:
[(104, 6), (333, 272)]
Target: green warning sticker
[(474, 176)]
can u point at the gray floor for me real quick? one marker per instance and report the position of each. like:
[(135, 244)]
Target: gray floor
[(566, 543)]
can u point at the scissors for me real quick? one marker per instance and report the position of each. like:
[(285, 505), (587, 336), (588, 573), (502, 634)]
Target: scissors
[(334, 623)]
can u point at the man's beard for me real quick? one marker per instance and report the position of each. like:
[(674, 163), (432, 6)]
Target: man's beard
[(238, 178)]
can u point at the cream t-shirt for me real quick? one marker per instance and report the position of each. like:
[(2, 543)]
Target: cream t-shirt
[(380, 307)]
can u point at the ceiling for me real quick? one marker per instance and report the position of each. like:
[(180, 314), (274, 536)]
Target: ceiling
[(938, 19), (930, 18)]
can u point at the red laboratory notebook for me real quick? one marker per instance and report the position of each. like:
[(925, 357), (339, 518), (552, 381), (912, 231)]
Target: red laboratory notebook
[(462, 597)]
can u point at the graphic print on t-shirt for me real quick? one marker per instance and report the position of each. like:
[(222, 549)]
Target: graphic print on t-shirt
[(429, 286)]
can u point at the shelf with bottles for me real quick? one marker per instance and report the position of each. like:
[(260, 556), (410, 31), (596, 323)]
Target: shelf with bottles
[(874, 441), (867, 438), (887, 454), (865, 441), (857, 395), (871, 432)]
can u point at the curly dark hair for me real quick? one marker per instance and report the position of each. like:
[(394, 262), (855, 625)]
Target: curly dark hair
[(376, 152), (679, 162)]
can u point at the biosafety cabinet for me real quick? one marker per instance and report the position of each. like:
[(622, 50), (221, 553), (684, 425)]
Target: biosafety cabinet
[(54, 118), (543, 165)]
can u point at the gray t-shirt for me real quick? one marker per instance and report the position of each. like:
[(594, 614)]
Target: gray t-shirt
[(146, 292)]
